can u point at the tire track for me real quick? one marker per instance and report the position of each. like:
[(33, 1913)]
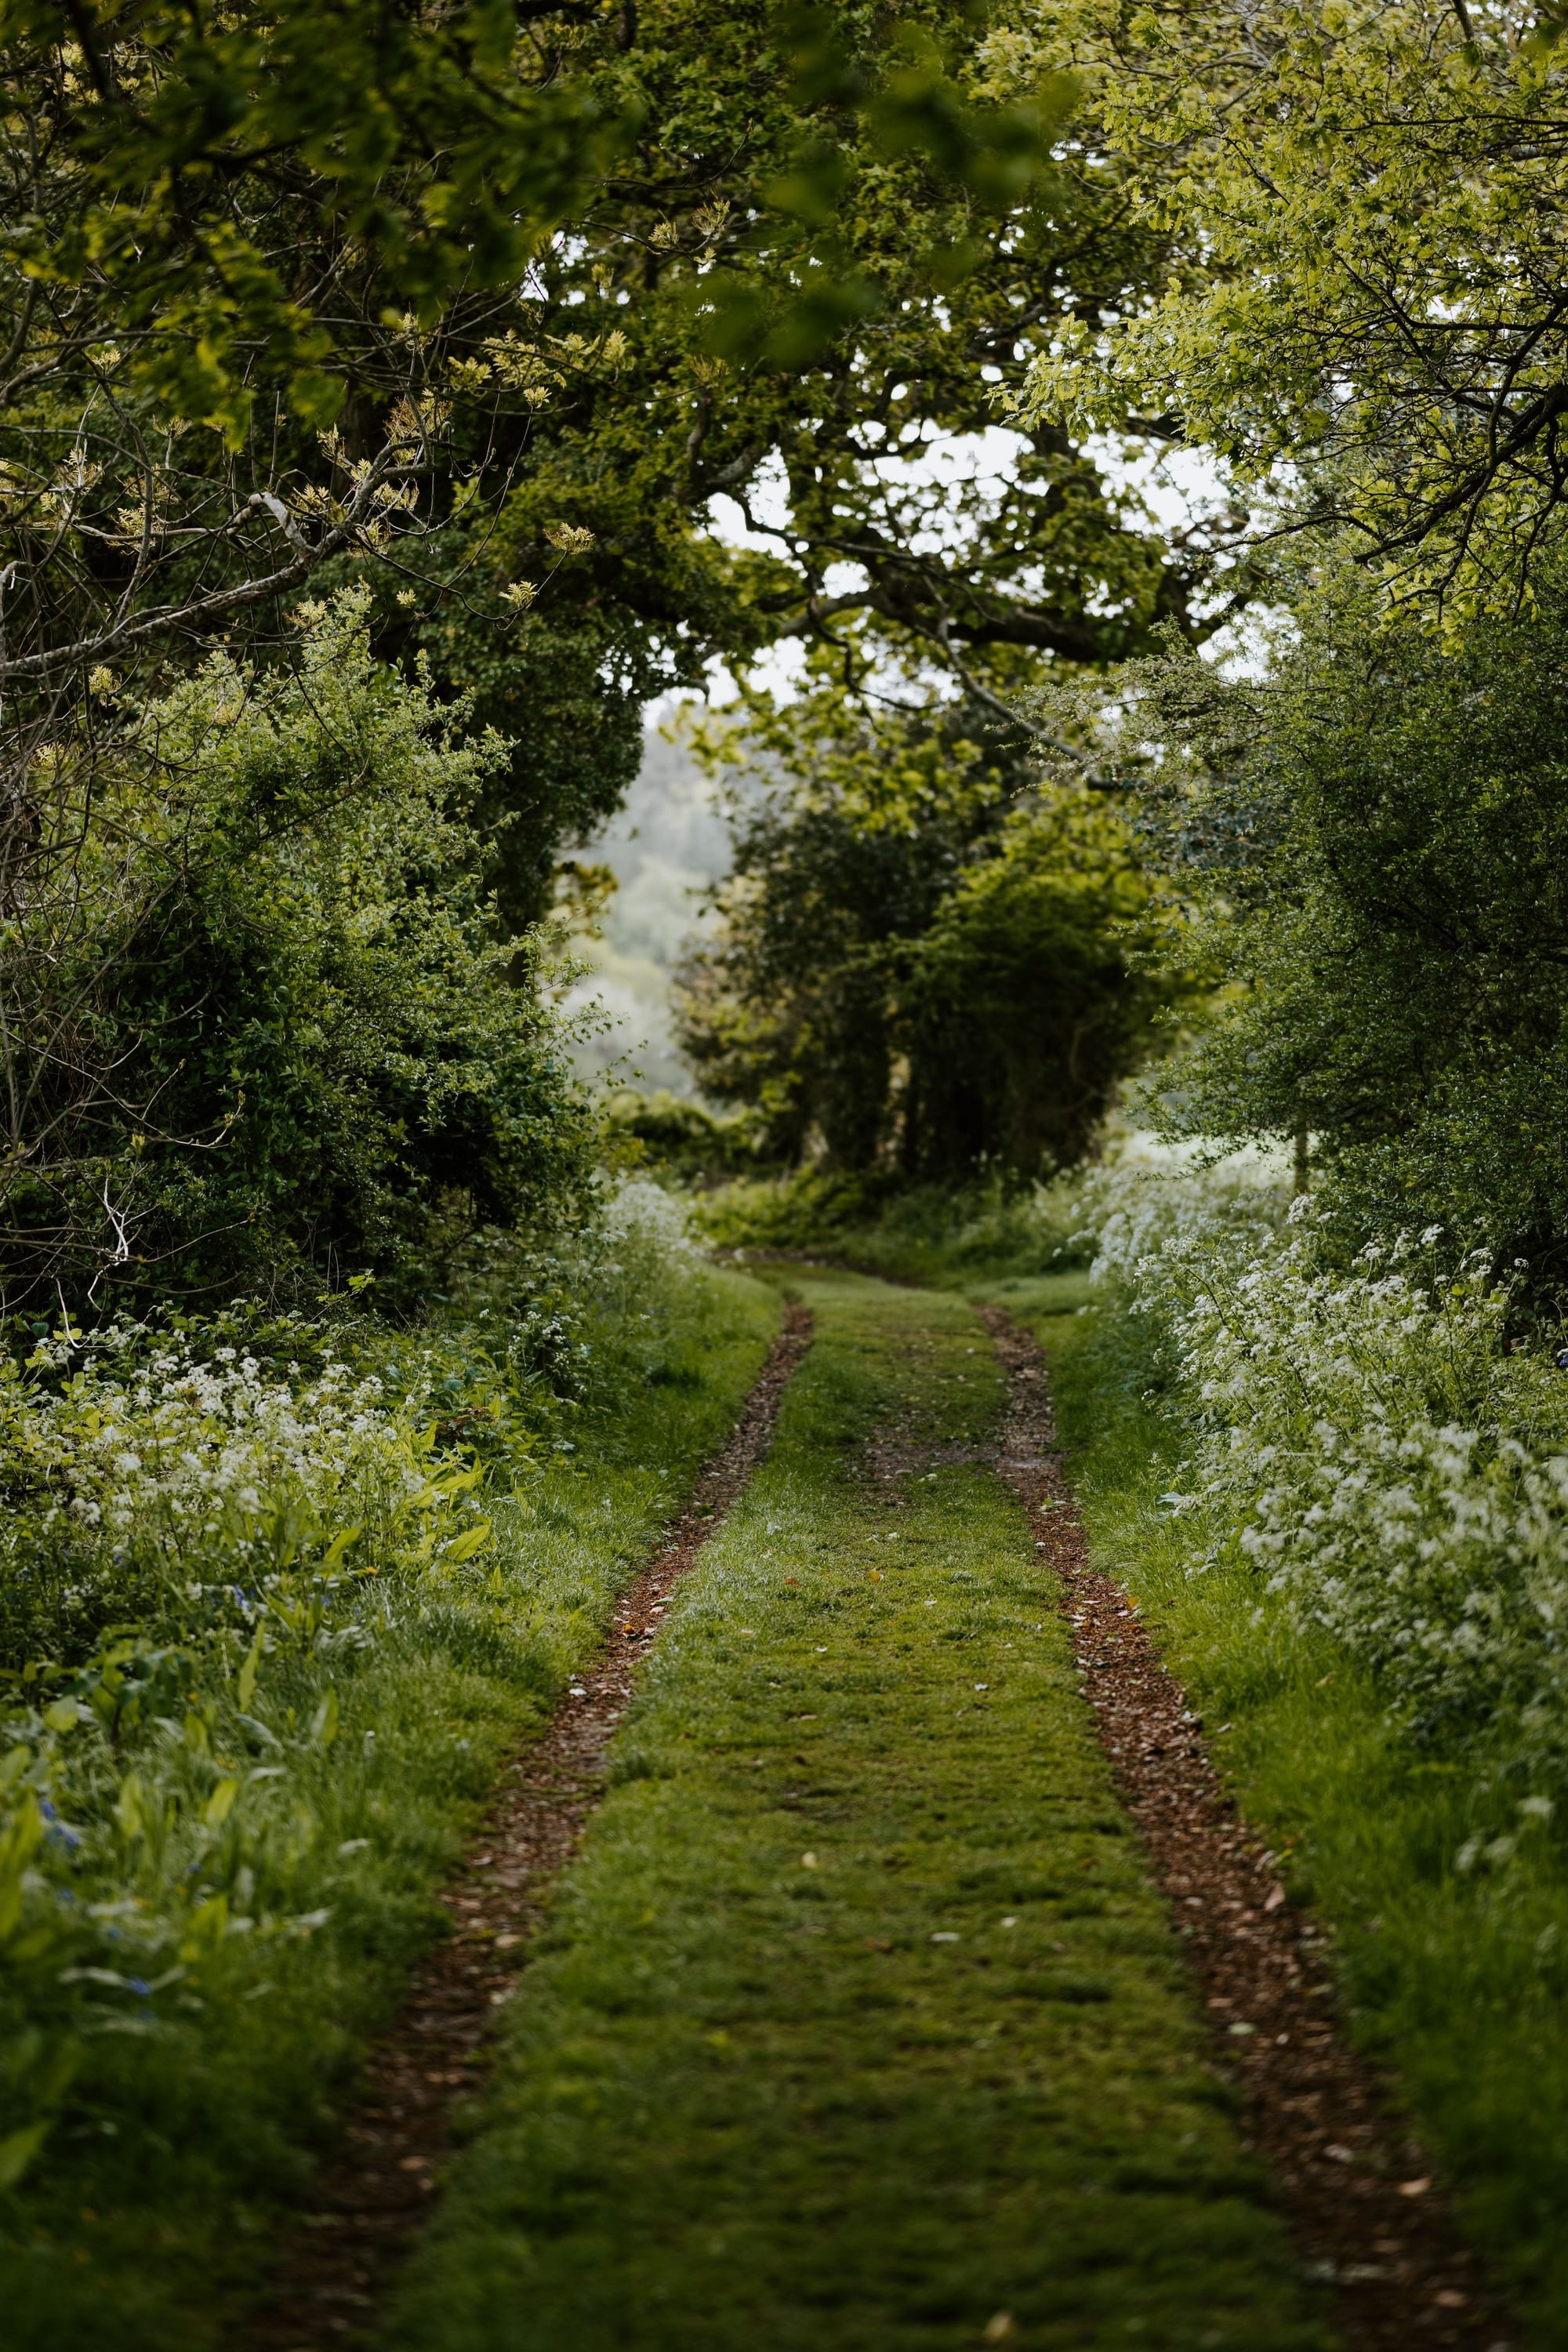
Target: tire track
[(1358, 2189), (370, 2200)]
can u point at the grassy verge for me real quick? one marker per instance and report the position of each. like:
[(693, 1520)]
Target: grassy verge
[(150, 2206), (919, 1233), (1455, 1976), (858, 2022)]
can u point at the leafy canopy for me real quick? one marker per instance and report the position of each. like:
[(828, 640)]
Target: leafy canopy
[(1366, 319), (492, 305)]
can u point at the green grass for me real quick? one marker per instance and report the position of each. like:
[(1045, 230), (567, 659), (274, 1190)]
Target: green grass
[(154, 2205), (1458, 1980), (922, 1233), (857, 2022)]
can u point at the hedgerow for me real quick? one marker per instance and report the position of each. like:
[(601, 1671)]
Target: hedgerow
[(1377, 1440), (212, 1529)]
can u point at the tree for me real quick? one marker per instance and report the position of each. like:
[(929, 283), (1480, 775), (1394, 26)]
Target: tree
[(484, 309), (1374, 837), (493, 304), (921, 961), (1369, 317), (819, 261)]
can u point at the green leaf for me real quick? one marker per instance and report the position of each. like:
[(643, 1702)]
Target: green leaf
[(21, 1833), (324, 1722), (132, 1811), (332, 1556), (17, 2150), (220, 1804), (467, 1545), (246, 1687)]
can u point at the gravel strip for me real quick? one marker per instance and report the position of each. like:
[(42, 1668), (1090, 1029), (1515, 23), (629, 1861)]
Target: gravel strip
[(369, 2200), (1361, 2196)]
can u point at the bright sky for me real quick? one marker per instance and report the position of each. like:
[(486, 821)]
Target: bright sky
[(1175, 487)]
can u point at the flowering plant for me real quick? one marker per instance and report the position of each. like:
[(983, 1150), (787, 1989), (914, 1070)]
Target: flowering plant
[(211, 1531), (1372, 1438)]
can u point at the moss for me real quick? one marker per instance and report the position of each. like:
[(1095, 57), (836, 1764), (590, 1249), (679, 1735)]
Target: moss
[(858, 2022)]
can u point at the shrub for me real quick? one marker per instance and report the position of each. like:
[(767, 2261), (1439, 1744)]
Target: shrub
[(266, 1028), (214, 1529), (1378, 1444)]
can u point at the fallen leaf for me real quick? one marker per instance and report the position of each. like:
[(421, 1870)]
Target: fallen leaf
[(1415, 2187), (808, 1862), (999, 2328), (1274, 1898)]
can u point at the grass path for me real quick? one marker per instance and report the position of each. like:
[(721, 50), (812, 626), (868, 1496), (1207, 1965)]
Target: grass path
[(857, 2022)]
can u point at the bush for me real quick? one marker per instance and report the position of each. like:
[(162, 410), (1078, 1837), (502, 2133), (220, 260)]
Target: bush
[(1380, 1445), (685, 1136), (1377, 832), (266, 1028), (215, 1529)]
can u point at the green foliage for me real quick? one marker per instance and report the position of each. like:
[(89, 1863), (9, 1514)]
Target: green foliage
[(1371, 287), (788, 321), (1026, 996), (931, 1234), (275, 1593), (1375, 832), (923, 959), (569, 307), (266, 1025), (682, 1135)]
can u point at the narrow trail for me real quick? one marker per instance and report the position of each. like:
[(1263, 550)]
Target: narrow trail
[(370, 2201), (1359, 2189), (866, 2031), (858, 2026)]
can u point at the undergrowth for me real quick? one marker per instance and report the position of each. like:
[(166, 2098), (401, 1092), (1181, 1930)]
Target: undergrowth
[(925, 1233), (276, 1594)]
